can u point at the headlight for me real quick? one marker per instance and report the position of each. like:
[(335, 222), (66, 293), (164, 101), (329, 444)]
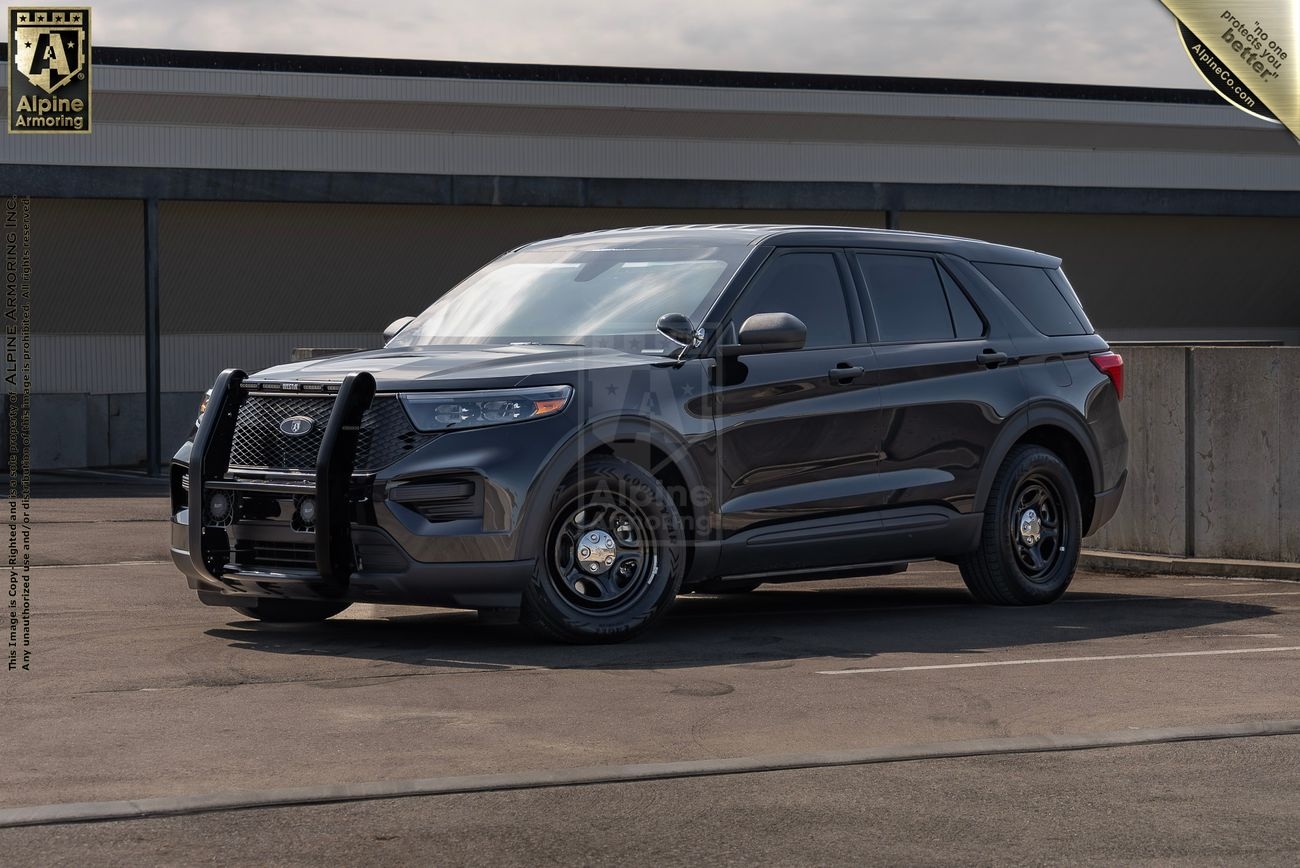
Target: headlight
[(203, 408), (442, 411)]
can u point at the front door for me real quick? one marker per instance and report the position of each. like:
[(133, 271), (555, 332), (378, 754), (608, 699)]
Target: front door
[(797, 436)]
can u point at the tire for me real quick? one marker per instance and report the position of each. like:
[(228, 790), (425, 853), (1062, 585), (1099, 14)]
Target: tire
[(276, 611), (613, 508), (1033, 495), (718, 586)]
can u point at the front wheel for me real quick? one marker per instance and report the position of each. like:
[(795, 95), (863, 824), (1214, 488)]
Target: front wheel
[(1032, 532), (612, 559)]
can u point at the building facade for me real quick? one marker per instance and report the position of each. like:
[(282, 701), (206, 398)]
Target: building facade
[(229, 208)]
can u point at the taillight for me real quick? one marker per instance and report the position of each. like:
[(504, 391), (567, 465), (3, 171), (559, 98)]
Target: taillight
[(1112, 365)]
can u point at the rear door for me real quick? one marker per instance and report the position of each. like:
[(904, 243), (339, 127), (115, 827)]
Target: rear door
[(948, 380), (797, 434)]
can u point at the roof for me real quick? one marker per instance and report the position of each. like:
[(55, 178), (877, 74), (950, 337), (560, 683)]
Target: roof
[(801, 235), (259, 62)]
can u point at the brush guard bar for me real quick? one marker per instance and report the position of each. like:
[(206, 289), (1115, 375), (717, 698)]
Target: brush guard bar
[(335, 460)]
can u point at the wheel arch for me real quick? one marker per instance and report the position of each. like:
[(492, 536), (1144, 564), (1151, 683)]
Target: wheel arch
[(637, 440), (1066, 435)]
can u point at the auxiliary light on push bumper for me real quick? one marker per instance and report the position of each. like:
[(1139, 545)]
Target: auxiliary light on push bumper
[(210, 462)]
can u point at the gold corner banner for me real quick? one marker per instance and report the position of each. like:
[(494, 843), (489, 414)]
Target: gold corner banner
[(1248, 51)]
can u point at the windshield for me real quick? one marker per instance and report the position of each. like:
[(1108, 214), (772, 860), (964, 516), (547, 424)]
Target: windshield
[(591, 297)]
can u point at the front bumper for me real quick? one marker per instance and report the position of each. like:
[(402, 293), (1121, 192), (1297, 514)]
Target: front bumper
[(351, 552), (398, 579)]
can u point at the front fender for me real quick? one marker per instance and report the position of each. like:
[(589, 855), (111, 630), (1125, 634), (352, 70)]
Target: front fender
[(608, 432)]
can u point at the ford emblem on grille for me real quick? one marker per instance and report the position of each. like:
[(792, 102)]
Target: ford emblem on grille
[(297, 426)]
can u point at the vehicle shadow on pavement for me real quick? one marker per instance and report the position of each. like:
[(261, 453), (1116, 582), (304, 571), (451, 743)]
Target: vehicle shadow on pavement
[(770, 628)]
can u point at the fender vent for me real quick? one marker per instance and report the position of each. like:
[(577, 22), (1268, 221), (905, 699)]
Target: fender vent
[(447, 499)]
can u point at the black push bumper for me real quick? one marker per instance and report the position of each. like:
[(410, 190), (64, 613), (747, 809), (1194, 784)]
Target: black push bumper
[(203, 552)]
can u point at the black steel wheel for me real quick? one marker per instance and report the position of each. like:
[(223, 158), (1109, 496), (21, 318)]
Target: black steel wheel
[(1034, 526), (601, 552), (1032, 532), (611, 559)]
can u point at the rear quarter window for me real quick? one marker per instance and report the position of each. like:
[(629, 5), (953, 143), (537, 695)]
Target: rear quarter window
[(1036, 295)]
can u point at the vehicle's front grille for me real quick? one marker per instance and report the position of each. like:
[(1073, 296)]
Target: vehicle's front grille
[(259, 553), (386, 432)]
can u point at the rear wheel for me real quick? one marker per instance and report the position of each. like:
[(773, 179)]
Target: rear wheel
[(612, 558), (1032, 532), (276, 611)]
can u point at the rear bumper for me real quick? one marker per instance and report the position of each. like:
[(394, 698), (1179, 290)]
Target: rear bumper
[(1106, 503)]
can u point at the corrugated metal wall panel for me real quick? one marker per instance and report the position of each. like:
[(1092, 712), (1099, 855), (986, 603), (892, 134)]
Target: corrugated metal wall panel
[(86, 364), (563, 156), (631, 96), (113, 364), (305, 267), (1178, 274), (219, 110), (87, 265)]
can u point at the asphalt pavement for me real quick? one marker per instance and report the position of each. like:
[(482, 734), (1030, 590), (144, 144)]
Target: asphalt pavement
[(138, 691)]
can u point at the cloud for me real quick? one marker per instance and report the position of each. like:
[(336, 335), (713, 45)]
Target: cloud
[(1125, 42)]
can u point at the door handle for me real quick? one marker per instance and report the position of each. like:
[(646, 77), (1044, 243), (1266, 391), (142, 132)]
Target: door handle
[(991, 358), (845, 374)]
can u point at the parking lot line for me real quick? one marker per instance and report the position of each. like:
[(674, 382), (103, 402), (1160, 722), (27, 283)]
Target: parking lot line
[(1036, 660), (205, 803)]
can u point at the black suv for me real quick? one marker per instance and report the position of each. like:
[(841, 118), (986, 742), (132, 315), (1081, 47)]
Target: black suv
[(589, 426)]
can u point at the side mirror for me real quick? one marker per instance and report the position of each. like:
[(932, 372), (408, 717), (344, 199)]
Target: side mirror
[(677, 328), (396, 326), (769, 333)]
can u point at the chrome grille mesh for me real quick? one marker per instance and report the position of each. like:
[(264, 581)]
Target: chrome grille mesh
[(386, 432)]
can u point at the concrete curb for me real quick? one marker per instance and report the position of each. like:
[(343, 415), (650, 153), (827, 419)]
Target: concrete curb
[(1157, 565), (169, 806)]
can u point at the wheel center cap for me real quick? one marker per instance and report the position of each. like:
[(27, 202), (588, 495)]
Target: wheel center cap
[(1031, 528), (595, 552)]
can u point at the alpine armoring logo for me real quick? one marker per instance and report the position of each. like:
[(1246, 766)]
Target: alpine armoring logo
[(49, 70)]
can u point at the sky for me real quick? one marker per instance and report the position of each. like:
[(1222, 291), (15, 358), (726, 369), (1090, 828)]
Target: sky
[(1124, 42)]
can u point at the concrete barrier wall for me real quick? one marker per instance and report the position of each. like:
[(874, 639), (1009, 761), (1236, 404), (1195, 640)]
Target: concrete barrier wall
[(1153, 514), (1214, 461)]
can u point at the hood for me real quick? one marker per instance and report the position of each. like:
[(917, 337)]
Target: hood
[(457, 367)]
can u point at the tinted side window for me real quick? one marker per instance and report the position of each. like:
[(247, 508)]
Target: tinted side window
[(804, 284), (1036, 295), (1063, 284), (965, 319), (907, 297)]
